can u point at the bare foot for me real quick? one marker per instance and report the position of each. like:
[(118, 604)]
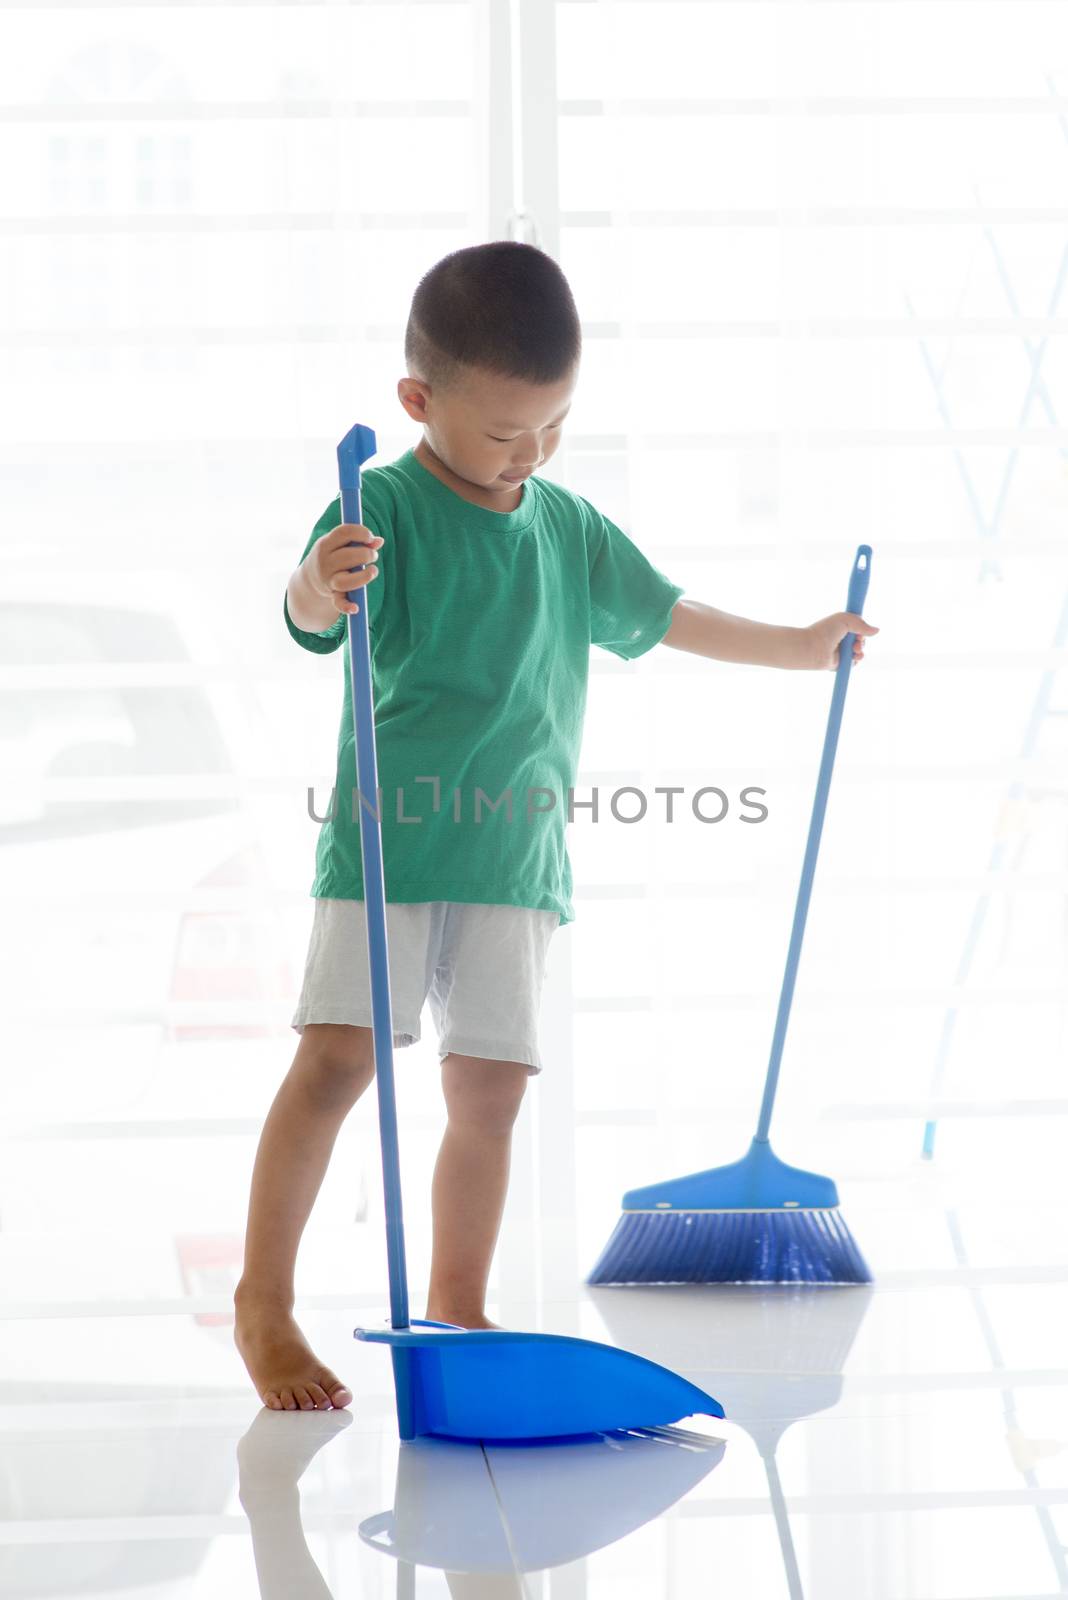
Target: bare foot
[(280, 1362), (477, 1319)]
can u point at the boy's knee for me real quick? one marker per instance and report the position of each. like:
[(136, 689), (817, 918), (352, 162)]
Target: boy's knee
[(483, 1094), (337, 1061)]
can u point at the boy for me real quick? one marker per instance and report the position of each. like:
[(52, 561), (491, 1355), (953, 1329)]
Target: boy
[(496, 584)]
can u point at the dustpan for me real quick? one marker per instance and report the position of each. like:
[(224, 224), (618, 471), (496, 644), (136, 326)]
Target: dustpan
[(460, 1383)]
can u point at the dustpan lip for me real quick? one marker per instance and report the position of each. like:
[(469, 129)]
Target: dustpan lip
[(416, 1337)]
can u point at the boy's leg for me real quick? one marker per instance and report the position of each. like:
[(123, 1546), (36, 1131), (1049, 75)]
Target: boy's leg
[(470, 1183), (332, 1067)]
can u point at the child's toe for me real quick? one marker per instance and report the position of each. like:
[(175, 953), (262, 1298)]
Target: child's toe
[(339, 1395)]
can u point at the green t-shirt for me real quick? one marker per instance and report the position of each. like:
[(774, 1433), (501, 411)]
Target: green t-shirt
[(481, 624)]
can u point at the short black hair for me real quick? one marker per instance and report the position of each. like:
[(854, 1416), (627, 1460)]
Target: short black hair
[(505, 307)]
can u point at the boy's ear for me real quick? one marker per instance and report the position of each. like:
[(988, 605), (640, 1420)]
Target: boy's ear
[(413, 394)]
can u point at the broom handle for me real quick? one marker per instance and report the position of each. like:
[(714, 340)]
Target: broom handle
[(858, 589), (375, 903)]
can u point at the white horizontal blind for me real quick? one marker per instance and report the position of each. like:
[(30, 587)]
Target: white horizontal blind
[(824, 247)]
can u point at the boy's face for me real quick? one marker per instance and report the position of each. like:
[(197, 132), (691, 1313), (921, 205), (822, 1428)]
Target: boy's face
[(489, 431)]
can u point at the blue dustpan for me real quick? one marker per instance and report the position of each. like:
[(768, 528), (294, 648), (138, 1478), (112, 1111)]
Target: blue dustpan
[(460, 1383)]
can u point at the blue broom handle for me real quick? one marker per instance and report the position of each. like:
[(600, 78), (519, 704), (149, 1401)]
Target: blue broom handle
[(375, 903), (858, 589)]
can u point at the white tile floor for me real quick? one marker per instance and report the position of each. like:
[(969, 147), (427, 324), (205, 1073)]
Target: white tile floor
[(905, 1442)]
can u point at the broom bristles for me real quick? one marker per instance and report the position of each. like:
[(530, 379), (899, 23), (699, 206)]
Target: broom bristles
[(796, 1246)]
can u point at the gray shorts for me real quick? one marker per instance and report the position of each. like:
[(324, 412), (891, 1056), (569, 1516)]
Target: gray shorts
[(481, 967)]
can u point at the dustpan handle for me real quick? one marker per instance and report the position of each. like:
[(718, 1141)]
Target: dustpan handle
[(355, 448), (858, 589)]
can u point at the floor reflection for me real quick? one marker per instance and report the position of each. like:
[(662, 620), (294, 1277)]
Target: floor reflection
[(480, 1514), (271, 1457), (777, 1351)]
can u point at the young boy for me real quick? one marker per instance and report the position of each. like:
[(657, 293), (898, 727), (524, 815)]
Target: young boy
[(495, 585)]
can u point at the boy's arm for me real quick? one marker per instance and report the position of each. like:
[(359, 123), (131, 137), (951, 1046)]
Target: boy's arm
[(704, 631), (311, 612), (318, 622)]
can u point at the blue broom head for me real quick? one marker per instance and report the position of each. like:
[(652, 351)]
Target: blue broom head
[(754, 1221)]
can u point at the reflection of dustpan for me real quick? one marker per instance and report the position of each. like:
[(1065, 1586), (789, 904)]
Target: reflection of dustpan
[(552, 1510), (456, 1382), (778, 1355)]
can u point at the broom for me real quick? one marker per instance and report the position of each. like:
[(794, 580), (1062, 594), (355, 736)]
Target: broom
[(756, 1220)]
